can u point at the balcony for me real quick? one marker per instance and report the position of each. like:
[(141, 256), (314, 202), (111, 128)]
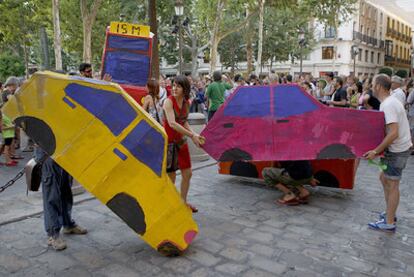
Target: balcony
[(369, 40), (389, 59)]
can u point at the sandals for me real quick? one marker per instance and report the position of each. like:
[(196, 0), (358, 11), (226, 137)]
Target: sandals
[(292, 202), (13, 163), (17, 157), (304, 200), (192, 208)]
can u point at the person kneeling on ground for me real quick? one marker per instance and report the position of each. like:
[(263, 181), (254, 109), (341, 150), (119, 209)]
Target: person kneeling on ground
[(57, 201), (290, 180)]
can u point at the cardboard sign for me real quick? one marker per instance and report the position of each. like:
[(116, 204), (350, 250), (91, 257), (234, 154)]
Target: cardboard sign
[(123, 28)]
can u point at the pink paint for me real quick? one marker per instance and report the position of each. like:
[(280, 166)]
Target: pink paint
[(189, 236), (288, 128)]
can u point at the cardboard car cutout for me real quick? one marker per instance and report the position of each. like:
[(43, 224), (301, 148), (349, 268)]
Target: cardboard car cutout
[(99, 135), (127, 57), (283, 122)]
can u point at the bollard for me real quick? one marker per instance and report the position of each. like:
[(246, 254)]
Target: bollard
[(197, 122)]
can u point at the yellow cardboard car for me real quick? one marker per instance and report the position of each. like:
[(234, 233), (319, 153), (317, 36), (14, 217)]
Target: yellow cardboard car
[(98, 134)]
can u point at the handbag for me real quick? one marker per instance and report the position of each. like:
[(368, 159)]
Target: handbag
[(172, 157), (33, 172)]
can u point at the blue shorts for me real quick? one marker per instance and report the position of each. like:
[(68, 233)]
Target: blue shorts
[(395, 164)]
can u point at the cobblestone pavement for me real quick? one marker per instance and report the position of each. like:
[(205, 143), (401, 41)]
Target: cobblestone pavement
[(242, 233)]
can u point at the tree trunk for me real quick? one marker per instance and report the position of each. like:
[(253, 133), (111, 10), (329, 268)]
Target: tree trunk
[(88, 19), (260, 46), (26, 59), (249, 46), (152, 14), (194, 61), (87, 42), (45, 48), (215, 36), (57, 37)]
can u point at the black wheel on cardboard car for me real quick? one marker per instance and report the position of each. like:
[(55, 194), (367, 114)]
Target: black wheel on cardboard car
[(244, 169), (336, 151), (235, 154), (326, 179), (39, 131)]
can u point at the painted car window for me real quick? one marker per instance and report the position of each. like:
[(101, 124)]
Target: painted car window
[(109, 107), (147, 145), (249, 102), (289, 101), (127, 67)]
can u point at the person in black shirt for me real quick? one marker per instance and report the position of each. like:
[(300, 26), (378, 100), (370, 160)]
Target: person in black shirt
[(340, 96), (290, 179)]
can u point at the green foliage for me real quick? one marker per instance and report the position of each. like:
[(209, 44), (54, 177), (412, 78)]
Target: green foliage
[(10, 65), (331, 12), (232, 50), (386, 70), (281, 33), (402, 73)]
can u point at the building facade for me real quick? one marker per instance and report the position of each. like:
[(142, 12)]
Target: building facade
[(398, 39)]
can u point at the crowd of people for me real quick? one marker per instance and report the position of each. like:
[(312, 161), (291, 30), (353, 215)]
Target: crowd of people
[(170, 100)]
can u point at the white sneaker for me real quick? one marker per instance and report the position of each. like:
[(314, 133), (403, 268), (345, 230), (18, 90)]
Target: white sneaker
[(57, 243)]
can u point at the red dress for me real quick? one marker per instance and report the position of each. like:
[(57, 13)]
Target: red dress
[(181, 116)]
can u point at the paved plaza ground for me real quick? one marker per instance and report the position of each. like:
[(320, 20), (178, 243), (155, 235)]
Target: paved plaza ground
[(242, 233)]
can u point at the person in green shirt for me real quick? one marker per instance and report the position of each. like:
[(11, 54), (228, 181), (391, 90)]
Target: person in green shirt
[(215, 93)]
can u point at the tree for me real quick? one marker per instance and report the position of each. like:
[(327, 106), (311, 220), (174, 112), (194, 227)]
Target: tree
[(56, 35), (281, 32), (10, 65), (332, 13), (152, 14), (222, 18), (232, 52), (386, 70), (402, 73), (88, 19), (19, 25)]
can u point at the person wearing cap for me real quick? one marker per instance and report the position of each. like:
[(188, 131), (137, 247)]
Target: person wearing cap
[(10, 87), (396, 90)]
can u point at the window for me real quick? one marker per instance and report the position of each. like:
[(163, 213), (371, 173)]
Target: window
[(247, 103), (372, 56), (366, 55), (401, 52), (379, 58), (327, 52), (329, 32), (289, 101), (381, 18), (109, 107), (361, 29), (146, 144), (360, 54), (393, 24)]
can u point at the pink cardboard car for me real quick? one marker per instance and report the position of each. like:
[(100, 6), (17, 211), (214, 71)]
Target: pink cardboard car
[(283, 122)]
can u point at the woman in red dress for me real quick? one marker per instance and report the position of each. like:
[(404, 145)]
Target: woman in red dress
[(176, 109)]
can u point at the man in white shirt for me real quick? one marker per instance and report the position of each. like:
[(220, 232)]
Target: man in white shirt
[(397, 91), (396, 146)]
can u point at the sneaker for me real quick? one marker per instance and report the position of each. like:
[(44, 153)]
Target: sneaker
[(57, 243), (382, 226), (75, 230), (383, 216)]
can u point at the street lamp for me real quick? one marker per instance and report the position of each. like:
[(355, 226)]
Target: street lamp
[(354, 53), (302, 42), (179, 11)]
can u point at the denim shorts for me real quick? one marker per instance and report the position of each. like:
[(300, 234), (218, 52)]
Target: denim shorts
[(395, 164)]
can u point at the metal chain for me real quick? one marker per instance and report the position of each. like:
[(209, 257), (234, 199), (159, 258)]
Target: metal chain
[(12, 181)]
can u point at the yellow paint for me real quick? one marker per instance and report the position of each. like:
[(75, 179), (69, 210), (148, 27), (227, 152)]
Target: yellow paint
[(124, 28), (84, 148)]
